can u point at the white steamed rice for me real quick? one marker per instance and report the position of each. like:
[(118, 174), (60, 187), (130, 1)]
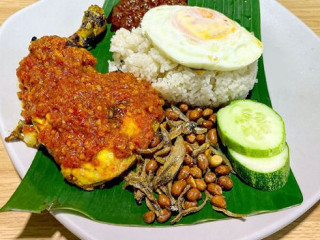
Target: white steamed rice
[(133, 52)]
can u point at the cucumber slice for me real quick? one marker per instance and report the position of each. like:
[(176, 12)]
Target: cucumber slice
[(251, 128), (267, 174)]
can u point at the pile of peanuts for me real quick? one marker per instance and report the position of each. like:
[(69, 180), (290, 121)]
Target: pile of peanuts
[(207, 172)]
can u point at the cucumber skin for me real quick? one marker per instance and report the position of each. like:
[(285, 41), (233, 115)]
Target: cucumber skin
[(263, 181), (236, 146)]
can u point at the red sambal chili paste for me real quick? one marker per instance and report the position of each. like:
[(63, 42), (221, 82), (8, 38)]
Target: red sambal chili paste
[(129, 13), (79, 111)]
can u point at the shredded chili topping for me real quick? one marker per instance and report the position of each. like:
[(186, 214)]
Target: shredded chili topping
[(77, 110)]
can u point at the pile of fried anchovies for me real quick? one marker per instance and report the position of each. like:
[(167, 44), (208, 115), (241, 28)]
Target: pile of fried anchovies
[(170, 153)]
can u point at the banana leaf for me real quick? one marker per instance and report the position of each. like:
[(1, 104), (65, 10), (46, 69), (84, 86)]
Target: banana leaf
[(43, 188)]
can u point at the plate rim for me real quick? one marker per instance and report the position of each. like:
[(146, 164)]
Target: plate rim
[(65, 219)]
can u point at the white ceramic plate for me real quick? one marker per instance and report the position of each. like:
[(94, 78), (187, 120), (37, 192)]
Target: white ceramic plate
[(292, 56)]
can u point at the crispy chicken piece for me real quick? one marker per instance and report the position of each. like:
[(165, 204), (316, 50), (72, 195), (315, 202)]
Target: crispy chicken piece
[(94, 23), (107, 166), (91, 123), (24, 132), (87, 175)]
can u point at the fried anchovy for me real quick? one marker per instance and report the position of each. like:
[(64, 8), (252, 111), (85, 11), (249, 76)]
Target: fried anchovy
[(228, 213), (140, 164), (165, 135), (150, 176), (225, 211), (181, 115), (200, 149), (154, 207), (167, 191), (173, 124), (138, 195), (160, 160), (140, 183), (172, 165), (181, 198), (140, 170), (200, 121), (184, 128), (151, 150), (199, 130), (163, 152), (188, 211)]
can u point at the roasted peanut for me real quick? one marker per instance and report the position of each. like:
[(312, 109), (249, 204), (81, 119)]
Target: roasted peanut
[(149, 217), (201, 185), (194, 115), (178, 187), (184, 173), (202, 162), (219, 201), (199, 109), (151, 166), (207, 112), (210, 177), (188, 114), (188, 204), (189, 148), (196, 172), (201, 138), (207, 124), (166, 214), (213, 118), (225, 182), (188, 160), (184, 107), (222, 170), (215, 161), (214, 189), (155, 141), (212, 136), (193, 194), (191, 138), (171, 115), (190, 180), (164, 201), (207, 152)]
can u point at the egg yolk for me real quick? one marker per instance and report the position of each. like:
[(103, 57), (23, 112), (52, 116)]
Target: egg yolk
[(203, 24)]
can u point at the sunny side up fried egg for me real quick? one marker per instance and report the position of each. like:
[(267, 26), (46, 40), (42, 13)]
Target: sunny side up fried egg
[(200, 38)]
